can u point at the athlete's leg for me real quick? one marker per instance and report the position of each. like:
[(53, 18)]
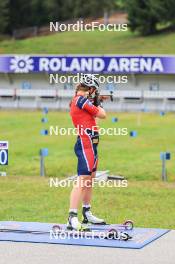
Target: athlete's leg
[(88, 217), (82, 191), (83, 183), (87, 190), (75, 199)]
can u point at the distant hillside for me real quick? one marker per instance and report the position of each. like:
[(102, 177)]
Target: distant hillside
[(92, 43)]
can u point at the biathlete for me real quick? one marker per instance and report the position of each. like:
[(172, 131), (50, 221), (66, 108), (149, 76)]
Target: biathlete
[(84, 113)]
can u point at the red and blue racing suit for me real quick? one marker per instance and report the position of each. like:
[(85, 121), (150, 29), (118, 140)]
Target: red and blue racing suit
[(83, 114)]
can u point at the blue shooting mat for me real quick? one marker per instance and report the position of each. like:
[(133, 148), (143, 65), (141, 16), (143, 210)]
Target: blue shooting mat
[(141, 236)]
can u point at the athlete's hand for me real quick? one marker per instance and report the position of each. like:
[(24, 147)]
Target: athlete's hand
[(101, 113), (97, 101)]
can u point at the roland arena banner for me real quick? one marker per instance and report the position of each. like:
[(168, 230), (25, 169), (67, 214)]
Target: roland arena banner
[(88, 64)]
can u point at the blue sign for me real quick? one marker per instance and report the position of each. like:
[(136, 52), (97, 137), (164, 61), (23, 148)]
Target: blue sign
[(3, 153), (88, 64)]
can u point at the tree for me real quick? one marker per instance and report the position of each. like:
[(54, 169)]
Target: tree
[(16, 14), (140, 16), (67, 9), (146, 15), (92, 8), (4, 15), (39, 14), (163, 10), (54, 9), (120, 4), (20, 14)]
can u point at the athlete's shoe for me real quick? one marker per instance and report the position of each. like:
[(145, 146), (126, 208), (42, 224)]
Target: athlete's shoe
[(73, 223), (88, 217)]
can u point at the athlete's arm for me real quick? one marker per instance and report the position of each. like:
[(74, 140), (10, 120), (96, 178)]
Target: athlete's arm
[(85, 104), (101, 113)]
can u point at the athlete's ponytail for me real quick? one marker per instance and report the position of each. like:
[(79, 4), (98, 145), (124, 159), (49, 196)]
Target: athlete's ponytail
[(80, 87)]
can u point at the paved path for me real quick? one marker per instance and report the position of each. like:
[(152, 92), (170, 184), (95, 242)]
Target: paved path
[(161, 251)]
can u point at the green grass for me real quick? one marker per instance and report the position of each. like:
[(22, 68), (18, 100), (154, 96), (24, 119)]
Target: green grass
[(25, 196), (149, 204), (120, 154), (92, 43)]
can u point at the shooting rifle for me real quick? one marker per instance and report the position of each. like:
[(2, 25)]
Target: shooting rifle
[(98, 99)]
